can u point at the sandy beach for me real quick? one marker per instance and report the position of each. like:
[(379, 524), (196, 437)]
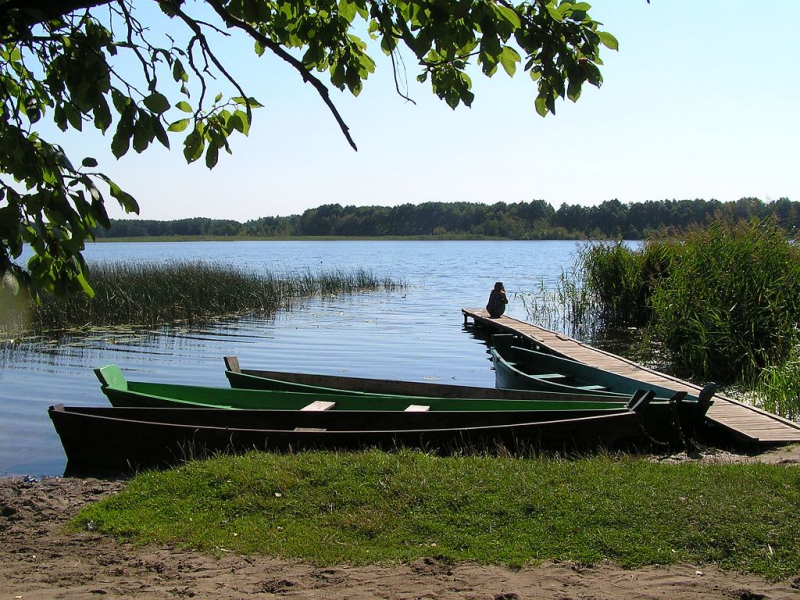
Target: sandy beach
[(40, 560)]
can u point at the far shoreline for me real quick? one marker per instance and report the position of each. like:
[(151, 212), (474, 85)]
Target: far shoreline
[(332, 238)]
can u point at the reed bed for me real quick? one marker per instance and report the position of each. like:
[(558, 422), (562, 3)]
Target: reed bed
[(621, 281), (731, 304), (152, 294)]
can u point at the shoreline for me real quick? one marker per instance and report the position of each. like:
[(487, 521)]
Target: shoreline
[(326, 238), (40, 560)]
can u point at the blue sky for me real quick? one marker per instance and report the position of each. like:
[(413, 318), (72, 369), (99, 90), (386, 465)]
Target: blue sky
[(700, 101)]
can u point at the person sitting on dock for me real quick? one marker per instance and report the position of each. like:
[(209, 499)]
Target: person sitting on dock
[(497, 301)]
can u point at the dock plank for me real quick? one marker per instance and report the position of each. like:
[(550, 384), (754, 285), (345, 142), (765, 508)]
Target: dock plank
[(747, 422)]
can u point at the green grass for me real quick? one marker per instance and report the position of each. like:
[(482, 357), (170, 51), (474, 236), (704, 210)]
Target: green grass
[(377, 507), (153, 294)]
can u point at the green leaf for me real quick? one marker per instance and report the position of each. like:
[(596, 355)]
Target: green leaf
[(244, 102), (337, 75), (234, 122), (554, 13), (577, 15), (121, 141), (157, 103), (32, 110), (143, 133), (608, 40), (125, 199), (509, 59), (60, 118), (593, 75), (99, 213), (347, 10), (184, 106), (121, 101), (541, 106), (212, 155), (509, 15), (574, 89), (178, 72), (193, 146), (85, 287), (490, 44), (102, 115), (178, 125), (239, 121), (160, 133), (73, 116), (89, 162)]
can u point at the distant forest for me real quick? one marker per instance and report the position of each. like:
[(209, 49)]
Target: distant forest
[(534, 220)]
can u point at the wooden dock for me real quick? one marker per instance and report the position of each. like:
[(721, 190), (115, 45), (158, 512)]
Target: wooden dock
[(746, 422)]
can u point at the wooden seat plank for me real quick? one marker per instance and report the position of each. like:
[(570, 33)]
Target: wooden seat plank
[(319, 405)]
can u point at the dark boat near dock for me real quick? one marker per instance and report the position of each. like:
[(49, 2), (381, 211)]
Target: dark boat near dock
[(520, 368)]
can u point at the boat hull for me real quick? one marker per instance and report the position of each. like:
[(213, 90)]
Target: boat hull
[(105, 440), (520, 368), (335, 384)]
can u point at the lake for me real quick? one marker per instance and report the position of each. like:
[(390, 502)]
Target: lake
[(414, 334)]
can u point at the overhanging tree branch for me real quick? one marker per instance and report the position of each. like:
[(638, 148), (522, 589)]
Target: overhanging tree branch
[(307, 76), (59, 59), (201, 38), (25, 14)]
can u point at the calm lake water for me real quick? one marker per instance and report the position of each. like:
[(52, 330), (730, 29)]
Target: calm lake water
[(414, 334)]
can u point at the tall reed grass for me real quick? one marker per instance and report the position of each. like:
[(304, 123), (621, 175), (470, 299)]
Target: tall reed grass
[(777, 387), (151, 294), (731, 303), (566, 307)]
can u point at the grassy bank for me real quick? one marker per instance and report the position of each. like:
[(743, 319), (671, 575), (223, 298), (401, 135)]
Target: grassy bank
[(152, 294), (376, 507)]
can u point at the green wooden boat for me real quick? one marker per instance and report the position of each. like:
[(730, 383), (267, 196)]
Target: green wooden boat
[(336, 384), (124, 393)]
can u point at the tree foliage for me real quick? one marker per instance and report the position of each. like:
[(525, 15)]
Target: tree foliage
[(68, 62), (535, 220)]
